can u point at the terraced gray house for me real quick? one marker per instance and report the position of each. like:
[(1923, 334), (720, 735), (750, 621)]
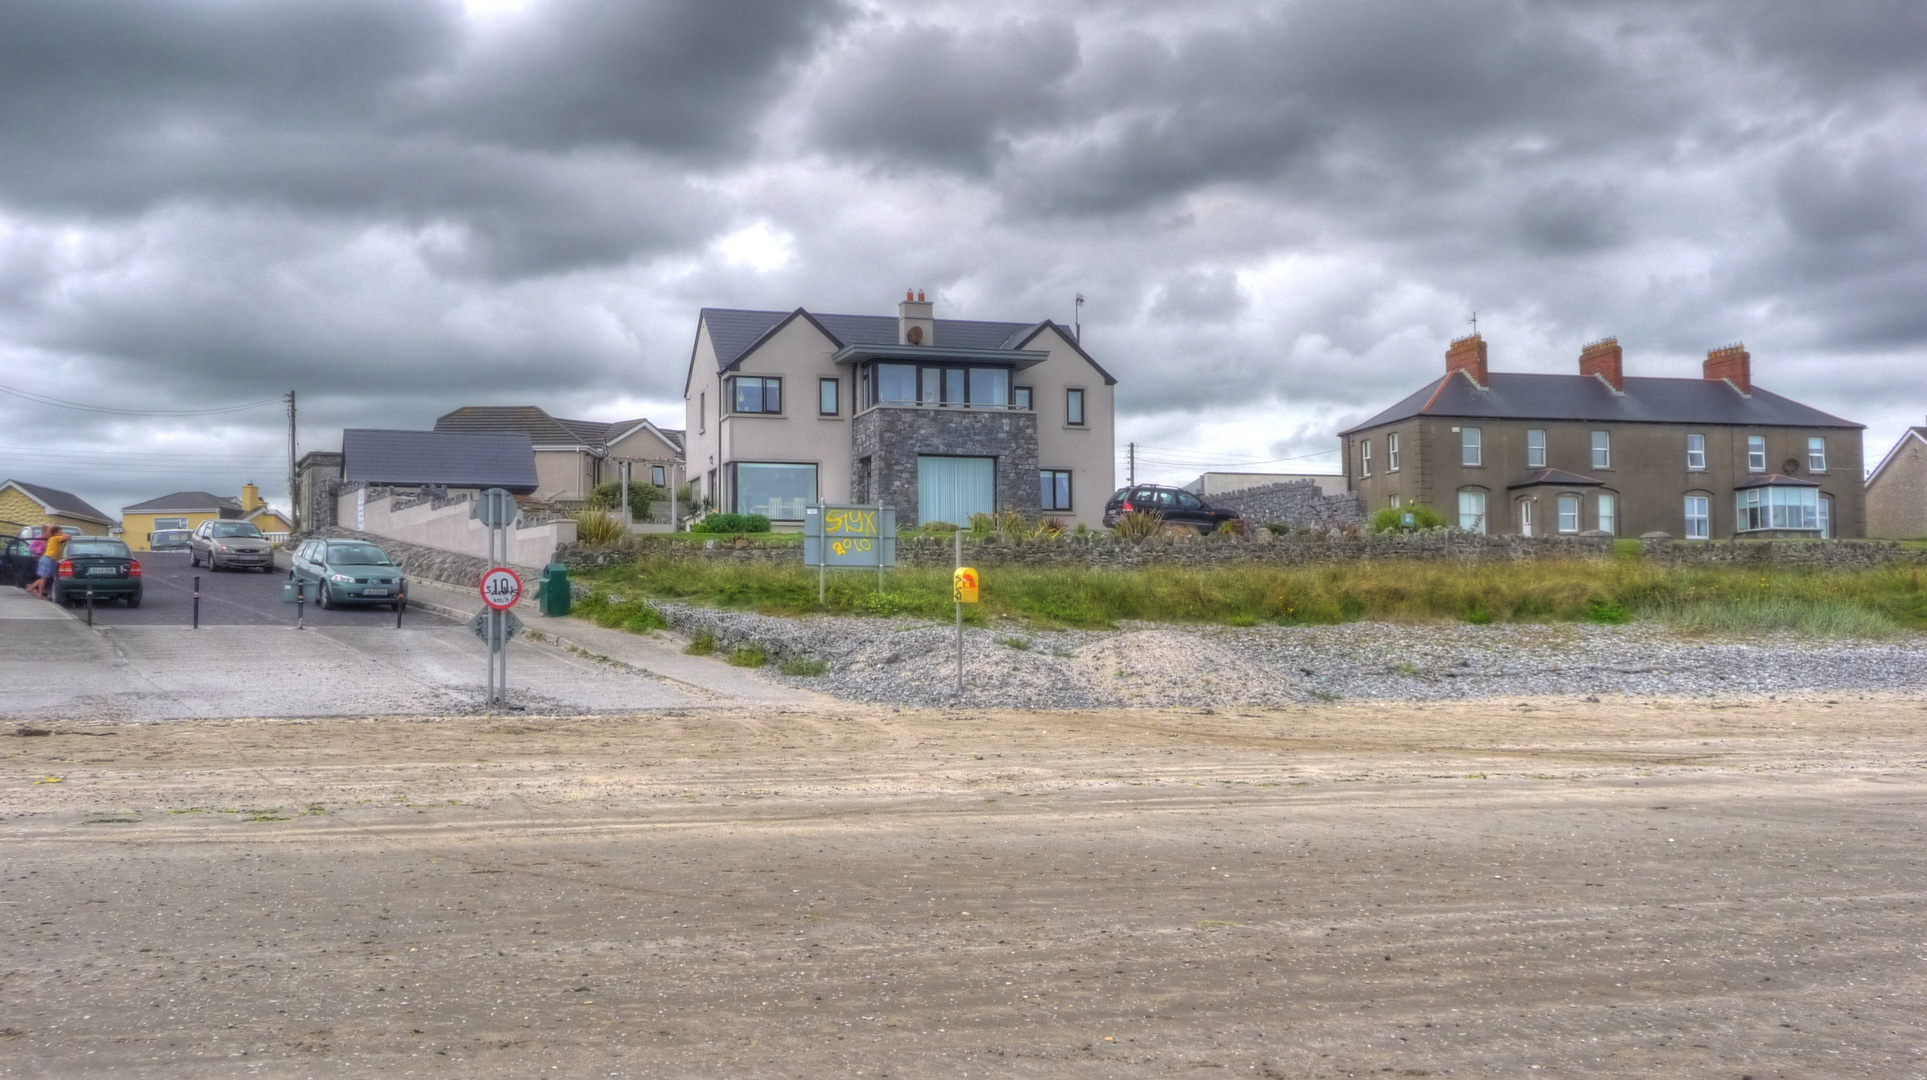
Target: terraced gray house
[(940, 418), (1533, 454)]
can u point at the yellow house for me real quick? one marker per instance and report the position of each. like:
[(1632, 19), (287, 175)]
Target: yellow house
[(22, 505), (187, 509)]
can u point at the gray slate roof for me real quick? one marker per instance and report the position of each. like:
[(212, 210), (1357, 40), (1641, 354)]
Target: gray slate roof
[(1531, 396), (734, 331), (541, 428), (184, 500), (438, 457), (64, 503)]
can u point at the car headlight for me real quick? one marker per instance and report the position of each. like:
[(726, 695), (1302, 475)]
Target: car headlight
[(342, 578), (224, 548)]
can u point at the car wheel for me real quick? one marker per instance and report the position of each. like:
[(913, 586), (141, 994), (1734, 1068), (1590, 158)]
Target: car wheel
[(322, 598), (193, 558), (134, 600)]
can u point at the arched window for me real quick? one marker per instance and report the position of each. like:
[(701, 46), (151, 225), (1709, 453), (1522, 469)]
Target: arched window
[(1472, 510), (1699, 515)]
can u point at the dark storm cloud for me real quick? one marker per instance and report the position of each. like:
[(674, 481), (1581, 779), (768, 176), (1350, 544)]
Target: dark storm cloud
[(929, 95), (1567, 218)]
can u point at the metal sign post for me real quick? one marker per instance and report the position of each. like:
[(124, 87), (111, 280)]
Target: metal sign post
[(848, 537), (501, 587), (963, 584)]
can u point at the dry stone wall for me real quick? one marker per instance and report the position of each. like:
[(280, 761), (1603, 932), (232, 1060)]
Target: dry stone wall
[(1297, 503), (1820, 554)]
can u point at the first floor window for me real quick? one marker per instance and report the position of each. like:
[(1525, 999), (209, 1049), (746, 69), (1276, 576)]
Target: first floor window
[(1816, 454), (827, 394), (1020, 396), (1778, 508), (1696, 453), (659, 475), (1602, 450), (1756, 453), (1074, 407), (1608, 514), (1057, 488), (1391, 452), (1471, 447), (756, 394), (1365, 458), (1472, 511), (896, 383), (1699, 517), (1535, 448), (1568, 513), (778, 491)]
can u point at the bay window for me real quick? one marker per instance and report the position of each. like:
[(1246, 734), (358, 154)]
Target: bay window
[(1778, 508)]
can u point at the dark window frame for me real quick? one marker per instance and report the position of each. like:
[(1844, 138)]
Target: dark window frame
[(1075, 394), (1069, 485), (835, 388), (764, 384)]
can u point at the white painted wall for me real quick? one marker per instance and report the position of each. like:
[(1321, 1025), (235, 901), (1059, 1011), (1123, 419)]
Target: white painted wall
[(451, 528)]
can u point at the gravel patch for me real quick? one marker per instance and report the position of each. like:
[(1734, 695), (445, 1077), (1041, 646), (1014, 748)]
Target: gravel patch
[(912, 662)]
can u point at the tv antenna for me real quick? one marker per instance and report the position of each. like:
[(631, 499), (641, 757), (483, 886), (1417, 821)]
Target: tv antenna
[(1077, 319)]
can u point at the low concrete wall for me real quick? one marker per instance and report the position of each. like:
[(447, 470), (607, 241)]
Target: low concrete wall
[(446, 523), (1824, 554), (1102, 550), (433, 564)]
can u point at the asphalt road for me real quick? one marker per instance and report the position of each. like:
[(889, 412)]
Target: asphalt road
[(1619, 889), (230, 598)]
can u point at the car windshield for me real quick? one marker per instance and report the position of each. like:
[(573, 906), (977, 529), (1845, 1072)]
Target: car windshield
[(357, 555), (112, 549), (235, 528)]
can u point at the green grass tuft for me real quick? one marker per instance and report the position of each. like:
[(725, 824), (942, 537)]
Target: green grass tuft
[(804, 668), (748, 656), (703, 644)]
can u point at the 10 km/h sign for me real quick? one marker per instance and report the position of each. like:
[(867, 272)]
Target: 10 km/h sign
[(501, 588)]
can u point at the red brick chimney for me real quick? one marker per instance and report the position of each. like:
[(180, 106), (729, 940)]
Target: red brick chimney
[(1733, 364), (1602, 358), (1467, 354)]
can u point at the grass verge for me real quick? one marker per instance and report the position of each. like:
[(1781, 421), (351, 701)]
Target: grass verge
[(1860, 603)]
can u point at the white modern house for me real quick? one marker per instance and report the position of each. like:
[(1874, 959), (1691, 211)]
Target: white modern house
[(940, 418)]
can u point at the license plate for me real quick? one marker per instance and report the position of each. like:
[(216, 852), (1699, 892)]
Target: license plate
[(374, 592), (101, 571)]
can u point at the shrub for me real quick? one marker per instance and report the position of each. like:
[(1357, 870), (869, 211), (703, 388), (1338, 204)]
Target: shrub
[(1392, 518), (703, 644), (1020, 644), (937, 527), (1234, 527), (598, 527), (748, 656), (1012, 525), (1050, 528), (806, 668), (609, 497), (1139, 525), (982, 525), (732, 523)]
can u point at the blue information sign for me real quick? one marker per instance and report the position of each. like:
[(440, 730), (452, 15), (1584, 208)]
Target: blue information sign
[(850, 537)]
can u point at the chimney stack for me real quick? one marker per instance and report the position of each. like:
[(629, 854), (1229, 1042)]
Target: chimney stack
[(1732, 364), (1603, 358), (1467, 354), (916, 325)]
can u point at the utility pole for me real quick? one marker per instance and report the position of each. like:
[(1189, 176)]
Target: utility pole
[(294, 504), (1133, 470)]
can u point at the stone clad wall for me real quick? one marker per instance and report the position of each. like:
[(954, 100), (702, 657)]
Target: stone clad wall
[(1297, 503), (1821, 554), (891, 439)]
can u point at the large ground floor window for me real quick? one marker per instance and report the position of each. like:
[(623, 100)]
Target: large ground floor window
[(953, 488), (1472, 511), (778, 491), (1779, 508), (1699, 517)]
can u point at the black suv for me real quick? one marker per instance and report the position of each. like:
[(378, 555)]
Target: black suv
[(1178, 507)]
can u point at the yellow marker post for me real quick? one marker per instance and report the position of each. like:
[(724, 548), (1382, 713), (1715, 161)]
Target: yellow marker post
[(964, 584)]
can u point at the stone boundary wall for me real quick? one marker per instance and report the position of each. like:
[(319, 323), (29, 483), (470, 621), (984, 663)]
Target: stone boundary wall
[(1103, 551), (447, 523), (1297, 503), (1820, 554)]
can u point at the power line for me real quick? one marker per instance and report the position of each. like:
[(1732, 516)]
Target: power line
[(59, 403)]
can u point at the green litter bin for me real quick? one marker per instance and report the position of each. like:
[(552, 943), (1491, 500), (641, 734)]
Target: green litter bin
[(555, 589)]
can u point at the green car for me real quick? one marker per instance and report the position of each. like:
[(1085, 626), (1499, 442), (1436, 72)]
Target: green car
[(349, 572), (99, 565)]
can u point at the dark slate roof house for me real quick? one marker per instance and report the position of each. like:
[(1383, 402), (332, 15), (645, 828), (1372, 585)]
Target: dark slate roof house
[(412, 458), (1534, 453)]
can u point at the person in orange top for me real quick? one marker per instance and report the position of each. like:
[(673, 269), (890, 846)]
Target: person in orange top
[(50, 561)]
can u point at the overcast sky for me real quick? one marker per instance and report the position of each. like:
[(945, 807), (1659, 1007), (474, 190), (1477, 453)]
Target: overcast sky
[(1279, 212)]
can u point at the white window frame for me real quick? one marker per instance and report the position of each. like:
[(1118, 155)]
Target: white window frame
[(1695, 452), (1471, 447), (1535, 448), (1704, 518), (1756, 453), (1391, 452), (1472, 510), (1602, 449), (1816, 453), (1365, 457), (1568, 509), (1606, 512)]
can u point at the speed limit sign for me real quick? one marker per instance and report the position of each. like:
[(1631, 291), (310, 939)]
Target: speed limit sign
[(501, 588)]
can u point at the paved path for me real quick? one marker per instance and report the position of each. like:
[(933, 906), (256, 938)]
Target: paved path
[(228, 598)]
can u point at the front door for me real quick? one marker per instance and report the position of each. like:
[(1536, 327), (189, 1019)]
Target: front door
[(1525, 517), (953, 488)]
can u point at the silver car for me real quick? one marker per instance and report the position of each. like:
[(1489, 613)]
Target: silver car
[(226, 545)]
